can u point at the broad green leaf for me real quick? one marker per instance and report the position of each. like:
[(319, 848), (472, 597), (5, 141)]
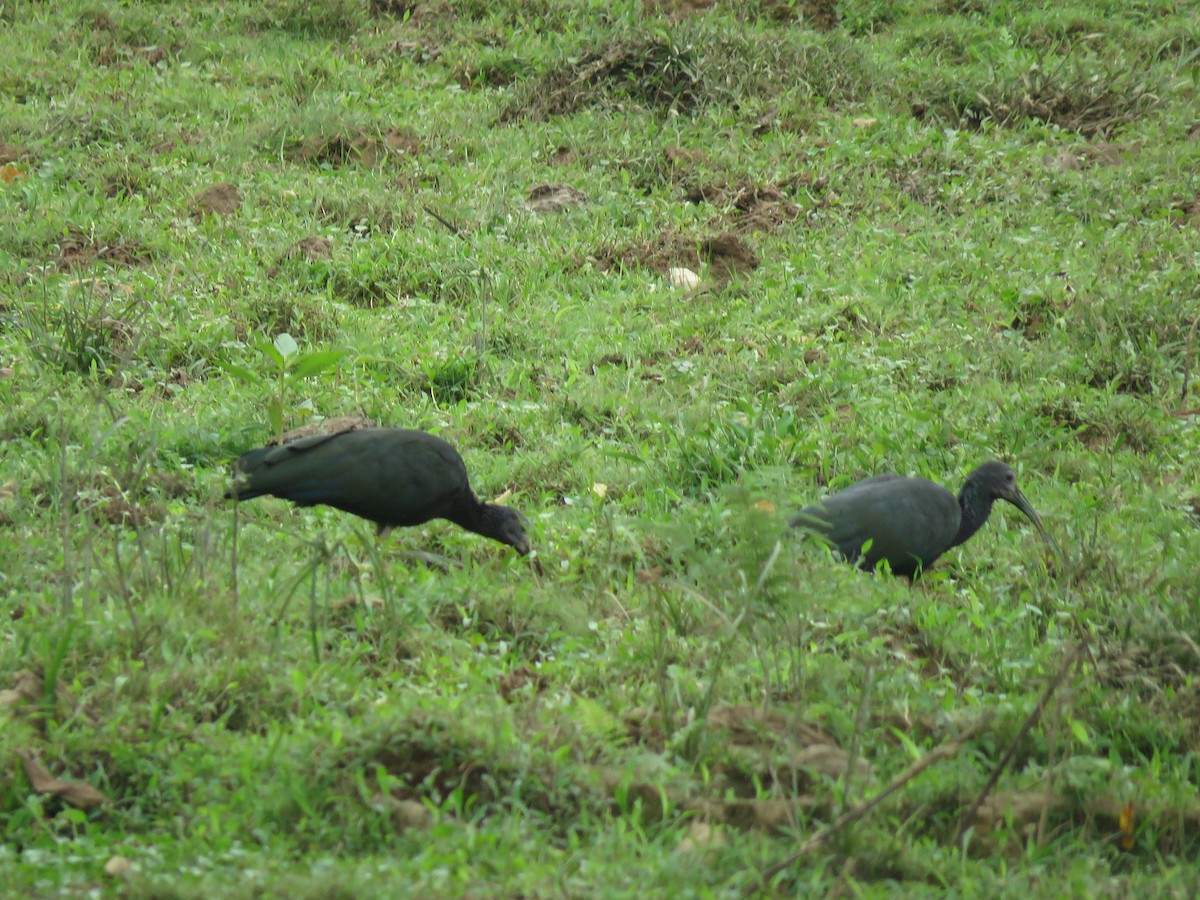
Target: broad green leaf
[(286, 345), (268, 350), (311, 363), (1081, 733), (275, 415), (240, 372)]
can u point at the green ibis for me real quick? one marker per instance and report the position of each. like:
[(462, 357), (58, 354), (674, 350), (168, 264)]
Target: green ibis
[(910, 522), (393, 477)]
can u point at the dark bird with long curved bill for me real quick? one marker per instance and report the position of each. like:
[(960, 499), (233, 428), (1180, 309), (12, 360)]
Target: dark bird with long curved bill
[(393, 477), (910, 522)]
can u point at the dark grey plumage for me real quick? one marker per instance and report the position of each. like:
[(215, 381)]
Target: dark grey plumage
[(392, 476), (910, 522)]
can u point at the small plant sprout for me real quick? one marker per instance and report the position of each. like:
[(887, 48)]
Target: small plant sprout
[(284, 365)]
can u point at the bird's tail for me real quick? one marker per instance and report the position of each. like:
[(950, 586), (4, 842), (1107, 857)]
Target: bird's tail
[(247, 465)]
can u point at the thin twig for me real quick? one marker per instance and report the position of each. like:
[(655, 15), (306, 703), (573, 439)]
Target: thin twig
[(454, 231), (938, 754), (767, 566), (964, 821)]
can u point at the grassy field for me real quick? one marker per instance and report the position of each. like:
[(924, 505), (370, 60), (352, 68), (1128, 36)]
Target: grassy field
[(926, 234)]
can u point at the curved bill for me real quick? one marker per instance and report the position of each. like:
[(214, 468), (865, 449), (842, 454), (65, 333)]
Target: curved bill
[(1021, 502)]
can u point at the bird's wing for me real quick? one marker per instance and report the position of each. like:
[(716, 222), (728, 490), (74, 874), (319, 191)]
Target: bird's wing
[(847, 518), (905, 519), (390, 476), (283, 452), (431, 482), (922, 524)]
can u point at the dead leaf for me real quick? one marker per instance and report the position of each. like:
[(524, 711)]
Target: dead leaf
[(1125, 823), (405, 814), (701, 837), (79, 794), (27, 687), (10, 173), (118, 867), (863, 123)]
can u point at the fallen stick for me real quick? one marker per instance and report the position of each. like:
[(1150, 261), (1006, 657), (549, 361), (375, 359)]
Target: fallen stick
[(945, 751), (964, 821)]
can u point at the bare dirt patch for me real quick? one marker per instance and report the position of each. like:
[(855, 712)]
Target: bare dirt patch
[(726, 254), (355, 149), (1089, 155), (561, 156), (683, 159), (9, 153), (222, 199), (311, 248), (78, 251), (553, 198), (751, 207)]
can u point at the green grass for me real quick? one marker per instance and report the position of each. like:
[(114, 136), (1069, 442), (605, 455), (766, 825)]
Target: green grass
[(975, 235)]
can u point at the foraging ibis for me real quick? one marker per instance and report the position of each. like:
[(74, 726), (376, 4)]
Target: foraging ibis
[(392, 476), (910, 522)]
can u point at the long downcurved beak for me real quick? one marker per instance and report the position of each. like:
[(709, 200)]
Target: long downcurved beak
[(1021, 502)]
